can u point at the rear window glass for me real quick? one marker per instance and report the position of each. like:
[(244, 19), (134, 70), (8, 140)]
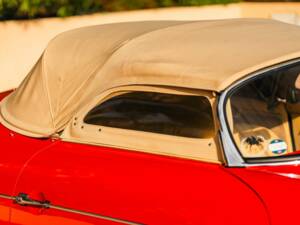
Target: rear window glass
[(179, 115)]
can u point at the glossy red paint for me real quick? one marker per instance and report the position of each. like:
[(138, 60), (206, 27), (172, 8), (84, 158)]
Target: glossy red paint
[(4, 94), (15, 151), (133, 186), (4, 211), (279, 187), (138, 187)]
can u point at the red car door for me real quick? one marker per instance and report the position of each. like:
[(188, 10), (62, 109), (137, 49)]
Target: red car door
[(278, 186), (15, 151), (99, 185), (4, 199)]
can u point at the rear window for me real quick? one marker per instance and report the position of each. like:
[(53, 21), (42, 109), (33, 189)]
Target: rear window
[(179, 115)]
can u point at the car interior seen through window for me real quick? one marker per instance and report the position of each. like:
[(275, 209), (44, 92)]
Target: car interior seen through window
[(171, 114), (264, 114)]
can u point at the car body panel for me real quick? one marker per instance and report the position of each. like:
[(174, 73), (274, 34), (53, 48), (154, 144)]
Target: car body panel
[(139, 187), (278, 186), (21, 215), (131, 186), (5, 93), (5, 205), (18, 149)]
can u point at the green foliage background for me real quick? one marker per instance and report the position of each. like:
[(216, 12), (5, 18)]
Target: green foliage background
[(27, 9)]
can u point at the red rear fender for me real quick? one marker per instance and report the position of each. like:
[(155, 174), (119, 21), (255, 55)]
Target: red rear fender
[(4, 94)]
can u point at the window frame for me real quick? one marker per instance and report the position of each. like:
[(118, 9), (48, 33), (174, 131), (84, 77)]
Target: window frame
[(162, 144), (232, 154)]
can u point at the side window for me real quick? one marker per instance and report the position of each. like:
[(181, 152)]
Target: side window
[(179, 115), (265, 114)]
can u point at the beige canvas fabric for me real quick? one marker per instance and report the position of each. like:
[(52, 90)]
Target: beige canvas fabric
[(203, 149), (80, 64)]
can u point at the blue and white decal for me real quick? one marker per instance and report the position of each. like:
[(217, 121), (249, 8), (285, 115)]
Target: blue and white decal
[(277, 146)]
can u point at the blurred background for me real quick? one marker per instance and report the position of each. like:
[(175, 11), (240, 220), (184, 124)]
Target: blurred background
[(26, 26)]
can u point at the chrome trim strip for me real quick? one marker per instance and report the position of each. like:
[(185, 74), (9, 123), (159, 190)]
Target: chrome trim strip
[(6, 197), (98, 216), (94, 215), (232, 154)]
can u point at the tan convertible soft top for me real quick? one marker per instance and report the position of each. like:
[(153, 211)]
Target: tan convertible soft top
[(79, 64)]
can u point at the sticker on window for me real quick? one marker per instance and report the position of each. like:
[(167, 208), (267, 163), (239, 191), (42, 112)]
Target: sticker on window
[(277, 147)]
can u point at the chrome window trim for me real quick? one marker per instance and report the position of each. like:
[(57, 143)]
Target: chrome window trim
[(232, 154)]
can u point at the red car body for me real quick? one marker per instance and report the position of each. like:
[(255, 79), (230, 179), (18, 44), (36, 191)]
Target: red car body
[(138, 187)]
